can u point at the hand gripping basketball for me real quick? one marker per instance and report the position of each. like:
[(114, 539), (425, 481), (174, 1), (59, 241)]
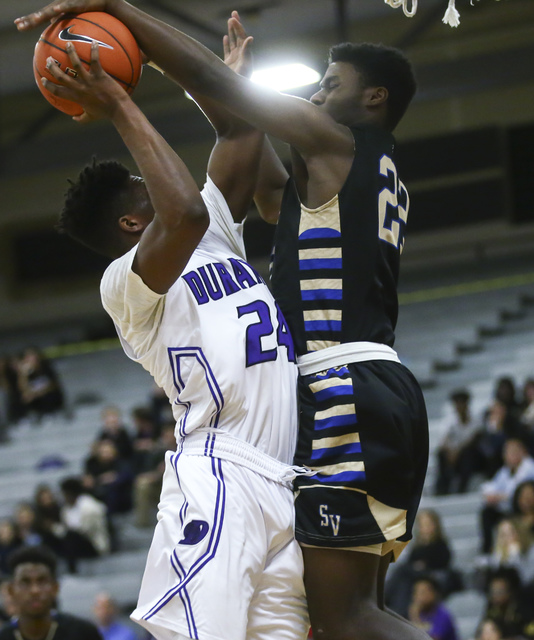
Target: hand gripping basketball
[(93, 89), (118, 51)]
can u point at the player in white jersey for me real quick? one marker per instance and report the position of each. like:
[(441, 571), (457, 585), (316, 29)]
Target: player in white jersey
[(223, 562)]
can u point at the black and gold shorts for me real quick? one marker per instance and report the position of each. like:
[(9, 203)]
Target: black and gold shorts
[(364, 431)]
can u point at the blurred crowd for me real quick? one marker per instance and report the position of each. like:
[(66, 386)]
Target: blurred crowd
[(489, 451)]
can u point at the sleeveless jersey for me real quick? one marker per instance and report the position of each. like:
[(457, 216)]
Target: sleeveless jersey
[(216, 342), (335, 268)]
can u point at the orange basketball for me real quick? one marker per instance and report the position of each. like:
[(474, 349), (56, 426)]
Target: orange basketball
[(119, 54)]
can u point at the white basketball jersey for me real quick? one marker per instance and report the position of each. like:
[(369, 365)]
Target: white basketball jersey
[(216, 342)]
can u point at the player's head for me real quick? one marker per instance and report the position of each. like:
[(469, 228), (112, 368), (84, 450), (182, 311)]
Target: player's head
[(106, 209), (366, 82), (33, 585)]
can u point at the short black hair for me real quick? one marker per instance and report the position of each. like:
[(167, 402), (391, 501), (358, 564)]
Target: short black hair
[(92, 206), (72, 485), (381, 66), (432, 581), (32, 555), (460, 395)]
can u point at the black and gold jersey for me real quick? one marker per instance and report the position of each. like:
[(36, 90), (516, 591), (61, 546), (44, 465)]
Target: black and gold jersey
[(335, 268)]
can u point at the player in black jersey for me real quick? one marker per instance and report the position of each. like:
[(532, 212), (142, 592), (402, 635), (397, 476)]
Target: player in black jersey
[(363, 428), (34, 590)]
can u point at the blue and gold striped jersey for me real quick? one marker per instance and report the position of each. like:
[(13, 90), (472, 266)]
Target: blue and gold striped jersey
[(335, 268)]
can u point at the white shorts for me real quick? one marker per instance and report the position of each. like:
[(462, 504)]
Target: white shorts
[(223, 564)]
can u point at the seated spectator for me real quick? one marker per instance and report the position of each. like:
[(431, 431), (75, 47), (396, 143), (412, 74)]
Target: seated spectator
[(523, 508), (427, 612), (428, 555), (84, 528), (34, 590), (25, 521), (145, 436), (457, 453), (160, 407), (14, 407), (8, 610), (527, 406), (512, 549), (503, 605), (38, 384), (499, 491), (106, 617), (113, 429), (47, 516), (109, 478), (499, 425), (9, 541), (147, 484)]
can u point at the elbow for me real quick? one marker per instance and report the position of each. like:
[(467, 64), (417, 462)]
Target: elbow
[(197, 216)]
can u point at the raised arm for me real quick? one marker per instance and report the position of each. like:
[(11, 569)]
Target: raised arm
[(180, 216), (294, 120)]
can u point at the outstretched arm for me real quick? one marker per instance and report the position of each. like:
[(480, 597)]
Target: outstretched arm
[(294, 120), (181, 218)]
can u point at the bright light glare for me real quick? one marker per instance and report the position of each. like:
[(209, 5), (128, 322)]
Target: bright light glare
[(289, 76)]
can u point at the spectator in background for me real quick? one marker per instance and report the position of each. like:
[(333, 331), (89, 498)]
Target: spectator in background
[(7, 606), (25, 521), (84, 529), (506, 393), (428, 555), (34, 590), (14, 407), (523, 508), (38, 384), (145, 436), (527, 406), (160, 407), (106, 616), (109, 477), (500, 424), (47, 516), (499, 491), (503, 605), (147, 484), (113, 429), (9, 541), (512, 549), (457, 452), (427, 612)]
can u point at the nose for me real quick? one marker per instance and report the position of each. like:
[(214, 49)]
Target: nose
[(317, 98)]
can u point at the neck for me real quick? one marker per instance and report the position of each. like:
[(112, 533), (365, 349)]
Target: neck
[(35, 628)]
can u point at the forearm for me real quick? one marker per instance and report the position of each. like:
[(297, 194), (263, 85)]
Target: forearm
[(181, 58), (271, 183)]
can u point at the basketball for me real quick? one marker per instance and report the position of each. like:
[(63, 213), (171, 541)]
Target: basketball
[(119, 54)]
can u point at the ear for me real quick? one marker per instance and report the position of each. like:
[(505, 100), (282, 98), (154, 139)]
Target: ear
[(131, 224), (376, 96)]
